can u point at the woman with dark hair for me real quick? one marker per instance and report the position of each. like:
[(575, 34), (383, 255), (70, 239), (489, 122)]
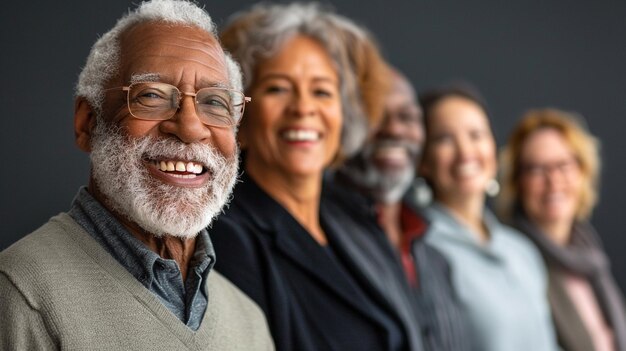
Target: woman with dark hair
[(550, 174), (497, 273)]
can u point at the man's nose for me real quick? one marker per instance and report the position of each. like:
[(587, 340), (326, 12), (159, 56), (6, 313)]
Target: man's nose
[(186, 124), (390, 127)]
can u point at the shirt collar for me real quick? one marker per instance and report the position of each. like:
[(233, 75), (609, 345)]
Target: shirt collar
[(129, 251)]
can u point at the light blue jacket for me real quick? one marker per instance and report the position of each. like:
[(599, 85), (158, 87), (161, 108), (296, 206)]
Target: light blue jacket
[(501, 283)]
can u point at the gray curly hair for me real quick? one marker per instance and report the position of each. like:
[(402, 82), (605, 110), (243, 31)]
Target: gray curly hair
[(261, 31), (103, 60)]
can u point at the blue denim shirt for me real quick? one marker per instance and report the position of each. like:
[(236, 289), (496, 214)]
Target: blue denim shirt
[(187, 300)]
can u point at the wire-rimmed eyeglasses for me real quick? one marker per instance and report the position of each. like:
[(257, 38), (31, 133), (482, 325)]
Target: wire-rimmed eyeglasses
[(156, 101)]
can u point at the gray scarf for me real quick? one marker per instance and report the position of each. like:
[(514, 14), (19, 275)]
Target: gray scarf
[(585, 257)]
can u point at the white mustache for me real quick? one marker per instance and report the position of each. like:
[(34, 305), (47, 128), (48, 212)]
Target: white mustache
[(413, 149)]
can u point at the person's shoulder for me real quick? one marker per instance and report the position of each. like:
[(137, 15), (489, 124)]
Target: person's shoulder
[(38, 261), (251, 210), (439, 223), (520, 245), (223, 289), (234, 228), (350, 213), (429, 252), (345, 195), (242, 249), (39, 247), (515, 237), (250, 217), (436, 215), (431, 261), (235, 309)]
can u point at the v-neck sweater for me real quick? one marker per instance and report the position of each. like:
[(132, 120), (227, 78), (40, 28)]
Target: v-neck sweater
[(60, 289), (186, 299)]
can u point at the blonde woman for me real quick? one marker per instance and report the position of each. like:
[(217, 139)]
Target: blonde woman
[(551, 167)]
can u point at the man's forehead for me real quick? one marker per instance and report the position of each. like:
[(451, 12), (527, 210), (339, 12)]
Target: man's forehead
[(154, 48), (401, 98)]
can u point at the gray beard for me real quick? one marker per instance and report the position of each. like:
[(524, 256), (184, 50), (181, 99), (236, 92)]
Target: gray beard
[(121, 175), (385, 187)]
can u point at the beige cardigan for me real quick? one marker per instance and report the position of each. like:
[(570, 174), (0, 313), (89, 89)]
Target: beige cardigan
[(59, 289)]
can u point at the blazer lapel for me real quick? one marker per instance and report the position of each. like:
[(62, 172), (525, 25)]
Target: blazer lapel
[(297, 245)]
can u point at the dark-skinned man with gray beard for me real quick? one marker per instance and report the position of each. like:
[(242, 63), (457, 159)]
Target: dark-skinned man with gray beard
[(388, 201), (129, 266)]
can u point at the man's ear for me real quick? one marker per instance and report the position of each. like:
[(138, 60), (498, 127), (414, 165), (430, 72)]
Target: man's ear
[(84, 122)]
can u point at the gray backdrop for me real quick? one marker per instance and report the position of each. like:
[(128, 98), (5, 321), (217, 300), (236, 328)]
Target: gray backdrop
[(521, 54)]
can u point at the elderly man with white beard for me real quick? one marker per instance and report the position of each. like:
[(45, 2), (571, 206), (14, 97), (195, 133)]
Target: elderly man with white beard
[(383, 173), (128, 267)]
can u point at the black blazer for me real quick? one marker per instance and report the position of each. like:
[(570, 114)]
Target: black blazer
[(311, 301), (435, 304)]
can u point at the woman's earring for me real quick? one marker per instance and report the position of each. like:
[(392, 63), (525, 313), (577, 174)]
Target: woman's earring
[(492, 188), (422, 193)]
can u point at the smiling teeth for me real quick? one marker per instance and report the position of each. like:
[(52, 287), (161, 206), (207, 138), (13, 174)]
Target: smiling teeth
[(468, 169), (554, 197), (391, 152), (180, 166), (301, 135)]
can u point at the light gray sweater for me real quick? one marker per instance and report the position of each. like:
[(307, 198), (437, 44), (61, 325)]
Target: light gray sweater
[(501, 284), (59, 289)]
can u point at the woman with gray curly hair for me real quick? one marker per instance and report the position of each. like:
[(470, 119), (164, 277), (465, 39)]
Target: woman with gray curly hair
[(308, 72)]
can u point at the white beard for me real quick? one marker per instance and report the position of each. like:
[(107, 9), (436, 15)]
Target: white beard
[(120, 172), (385, 187), (391, 187)]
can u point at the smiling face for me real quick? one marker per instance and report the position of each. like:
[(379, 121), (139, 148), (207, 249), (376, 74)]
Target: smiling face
[(460, 157), (391, 155), (550, 180), (168, 177), (292, 126), (398, 140)]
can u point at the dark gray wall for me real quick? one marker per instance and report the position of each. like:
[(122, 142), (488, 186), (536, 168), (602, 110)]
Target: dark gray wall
[(521, 54)]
